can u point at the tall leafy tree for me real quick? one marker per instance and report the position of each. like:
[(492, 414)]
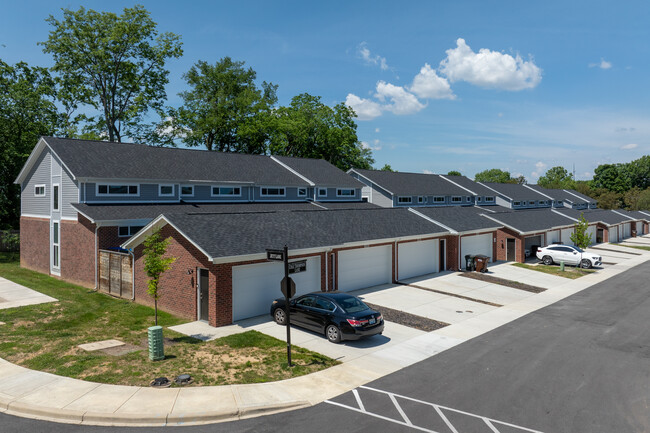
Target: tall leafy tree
[(454, 173), (387, 167), (556, 178), (310, 129), (493, 175), (114, 64), (613, 177), (27, 111), (224, 110)]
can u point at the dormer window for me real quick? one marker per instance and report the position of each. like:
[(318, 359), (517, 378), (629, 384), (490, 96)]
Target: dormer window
[(322, 192), (345, 192), (531, 203), (489, 199), (468, 199), (272, 192), (187, 190), (302, 192), (516, 203), (404, 200), (165, 190), (226, 191), (420, 199), (456, 199), (106, 189), (438, 199)]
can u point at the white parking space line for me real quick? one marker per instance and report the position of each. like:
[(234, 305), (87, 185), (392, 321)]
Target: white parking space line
[(405, 421)]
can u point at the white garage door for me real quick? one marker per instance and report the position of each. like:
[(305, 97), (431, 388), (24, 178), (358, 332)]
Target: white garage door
[(364, 267), (254, 287), (417, 258), (566, 236), (592, 230), (613, 234), (627, 230), (639, 228), (552, 236), (479, 244)]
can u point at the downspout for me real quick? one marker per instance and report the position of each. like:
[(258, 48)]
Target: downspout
[(96, 255), (130, 250), (460, 267)]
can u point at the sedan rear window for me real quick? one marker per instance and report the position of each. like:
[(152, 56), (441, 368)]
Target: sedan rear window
[(352, 305)]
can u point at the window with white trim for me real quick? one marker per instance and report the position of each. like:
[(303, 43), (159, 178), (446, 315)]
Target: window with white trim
[(516, 203), (322, 192), (127, 231), (404, 200), (108, 189), (226, 191), (468, 199), (456, 199), (302, 192), (345, 192), (542, 202), (55, 197), (560, 203), (39, 190), (479, 199), (489, 199), (55, 245), (165, 190), (438, 199), (420, 199), (531, 203), (187, 190), (272, 191)]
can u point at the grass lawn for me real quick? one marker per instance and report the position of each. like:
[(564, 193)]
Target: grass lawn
[(638, 247), (569, 271), (45, 337)]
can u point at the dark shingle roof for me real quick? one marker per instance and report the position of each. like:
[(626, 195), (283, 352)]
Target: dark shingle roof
[(558, 194), (348, 205), (412, 183), (113, 212), (515, 191), (101, 159), (461, 219), (320, 172), (221, 235), (585, 198), (531, 220), (475, 187), (634, 214), (594, 215)]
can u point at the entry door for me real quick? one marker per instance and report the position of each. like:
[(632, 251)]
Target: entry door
[(510, 250), (203, 292)]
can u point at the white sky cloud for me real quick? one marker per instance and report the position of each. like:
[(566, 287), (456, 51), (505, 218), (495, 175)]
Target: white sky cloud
[(540, 169), (630, 146), (367, 56), (603, 64), (489, 69), (427, 172), (401, 101), (365, 145), (365, 108), (428, 84)]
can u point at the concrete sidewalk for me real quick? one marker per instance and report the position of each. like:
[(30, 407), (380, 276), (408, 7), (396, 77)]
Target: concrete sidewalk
[(14, 295), (41, 395)]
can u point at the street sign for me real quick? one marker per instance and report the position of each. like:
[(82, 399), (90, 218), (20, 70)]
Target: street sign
[(277, 255), (299, 266), (291, 291)]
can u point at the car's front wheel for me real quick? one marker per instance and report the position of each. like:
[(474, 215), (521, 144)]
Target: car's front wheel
[(548, 260), (585, 264), (280, 316), (333, 333)]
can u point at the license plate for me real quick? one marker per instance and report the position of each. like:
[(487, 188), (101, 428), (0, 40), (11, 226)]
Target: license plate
[(372, 321)]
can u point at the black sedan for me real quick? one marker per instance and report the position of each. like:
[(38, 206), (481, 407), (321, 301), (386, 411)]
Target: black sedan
[(338, 315)]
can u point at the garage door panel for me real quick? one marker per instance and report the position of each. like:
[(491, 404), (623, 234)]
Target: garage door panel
[(592, 231), (613, 234), (479, 244), (417, 258), (364, 267), (552, 236), (565, 236), (254, 287)]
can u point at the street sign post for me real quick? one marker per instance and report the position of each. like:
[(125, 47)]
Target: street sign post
[(287, 285), (275, 255)]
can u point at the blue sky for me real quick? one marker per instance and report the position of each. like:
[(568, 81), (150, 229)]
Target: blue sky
[(439, 86)]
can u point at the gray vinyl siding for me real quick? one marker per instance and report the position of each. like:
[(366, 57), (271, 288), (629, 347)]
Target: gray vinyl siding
[(69, 194), (380, 197), (40, 175)]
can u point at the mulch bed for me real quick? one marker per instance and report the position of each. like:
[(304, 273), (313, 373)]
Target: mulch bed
[(502, 282), (406, 319)]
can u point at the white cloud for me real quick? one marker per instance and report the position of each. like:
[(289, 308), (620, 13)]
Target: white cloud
[(376, 129), (427, 172), (365, 145), (428, 84), (603, 64), (365, 54), (630, 146), (489, 69), (540, 169), (401, 101), (365, 108)]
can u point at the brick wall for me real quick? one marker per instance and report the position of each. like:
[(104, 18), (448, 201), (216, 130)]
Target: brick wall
[(453, 249), (502, 245), (35, 244), (78, 255), (107, 238)]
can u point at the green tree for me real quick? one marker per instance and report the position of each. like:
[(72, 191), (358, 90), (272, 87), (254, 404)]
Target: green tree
[(387, 167), (631, 198), (27, 111), (613, 177), (114, 64), (519, 180), (607, 199), (643, 202), (224, 110), (310, 129), (155, 264), (580, 237), (556, 178), (493, 175), (639, 172), (454, 173)]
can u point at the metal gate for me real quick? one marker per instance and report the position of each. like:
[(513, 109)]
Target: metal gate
[(115, 274)]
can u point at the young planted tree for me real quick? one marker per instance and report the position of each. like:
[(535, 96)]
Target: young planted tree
[(580, 237), (155, 264)]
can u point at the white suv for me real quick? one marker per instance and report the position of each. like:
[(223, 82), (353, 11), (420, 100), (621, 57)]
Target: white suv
[(568, 254)]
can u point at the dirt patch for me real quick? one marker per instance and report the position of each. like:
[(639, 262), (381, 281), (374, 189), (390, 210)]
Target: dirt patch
[(407, 319), (502, 282)]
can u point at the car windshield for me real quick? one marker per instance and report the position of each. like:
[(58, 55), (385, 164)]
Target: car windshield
[(578, 250), (352, 305)]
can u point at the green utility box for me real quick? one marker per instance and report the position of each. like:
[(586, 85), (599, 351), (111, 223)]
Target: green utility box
[(156, 349)]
